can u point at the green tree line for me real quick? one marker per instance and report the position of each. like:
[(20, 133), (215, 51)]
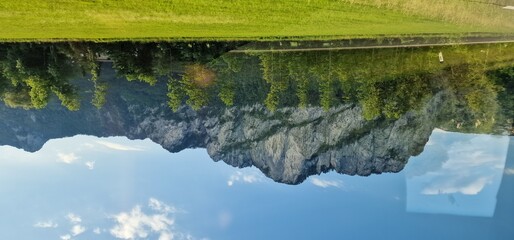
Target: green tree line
[(386, 83)]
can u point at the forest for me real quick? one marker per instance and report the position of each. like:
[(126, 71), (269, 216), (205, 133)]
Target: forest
[(386, 83)]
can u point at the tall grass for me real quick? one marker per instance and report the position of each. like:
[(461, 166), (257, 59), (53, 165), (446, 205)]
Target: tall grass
[(472, 12)]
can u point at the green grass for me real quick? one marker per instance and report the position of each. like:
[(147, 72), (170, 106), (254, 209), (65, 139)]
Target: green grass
[(27, 20)]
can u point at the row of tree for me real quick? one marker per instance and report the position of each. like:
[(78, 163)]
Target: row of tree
[(386, 83), (31, 73)]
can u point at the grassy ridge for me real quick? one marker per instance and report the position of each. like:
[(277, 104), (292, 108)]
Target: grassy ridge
[(108, 19)]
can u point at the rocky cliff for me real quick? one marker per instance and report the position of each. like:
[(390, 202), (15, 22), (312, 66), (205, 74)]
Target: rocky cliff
[(292, 144), (287, 145)]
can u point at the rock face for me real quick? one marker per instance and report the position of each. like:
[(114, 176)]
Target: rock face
[(287, 145), (292, 144)]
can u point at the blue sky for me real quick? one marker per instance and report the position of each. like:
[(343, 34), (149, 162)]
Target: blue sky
[(86, 187)]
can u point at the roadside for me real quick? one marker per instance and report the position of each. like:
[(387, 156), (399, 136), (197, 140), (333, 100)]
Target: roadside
[(367, 43)]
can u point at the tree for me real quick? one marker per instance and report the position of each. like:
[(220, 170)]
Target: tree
[(134, 61), (40, 70), (99, 94), (175, 94)]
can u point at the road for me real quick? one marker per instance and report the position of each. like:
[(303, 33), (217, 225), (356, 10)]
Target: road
[(294, 46)]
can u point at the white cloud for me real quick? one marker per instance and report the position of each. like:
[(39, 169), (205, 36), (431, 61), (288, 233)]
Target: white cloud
[(158, 224), (466, 188), (97, 231), (116, 146), (77, 230), (73, 218), (239, 176), (250, 178), (159, 206), (438, 130), (88, 145), (65, 237), (46, 224), (136, 224), (67, 158), (166, 236), (325, 183), (509, 171), (90, 165), (465, 183), (473, 164)]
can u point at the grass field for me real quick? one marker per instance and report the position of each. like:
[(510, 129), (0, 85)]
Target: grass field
[(28, 20)]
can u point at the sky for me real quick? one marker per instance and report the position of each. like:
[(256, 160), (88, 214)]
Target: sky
[(84, 187), (466, 179)]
